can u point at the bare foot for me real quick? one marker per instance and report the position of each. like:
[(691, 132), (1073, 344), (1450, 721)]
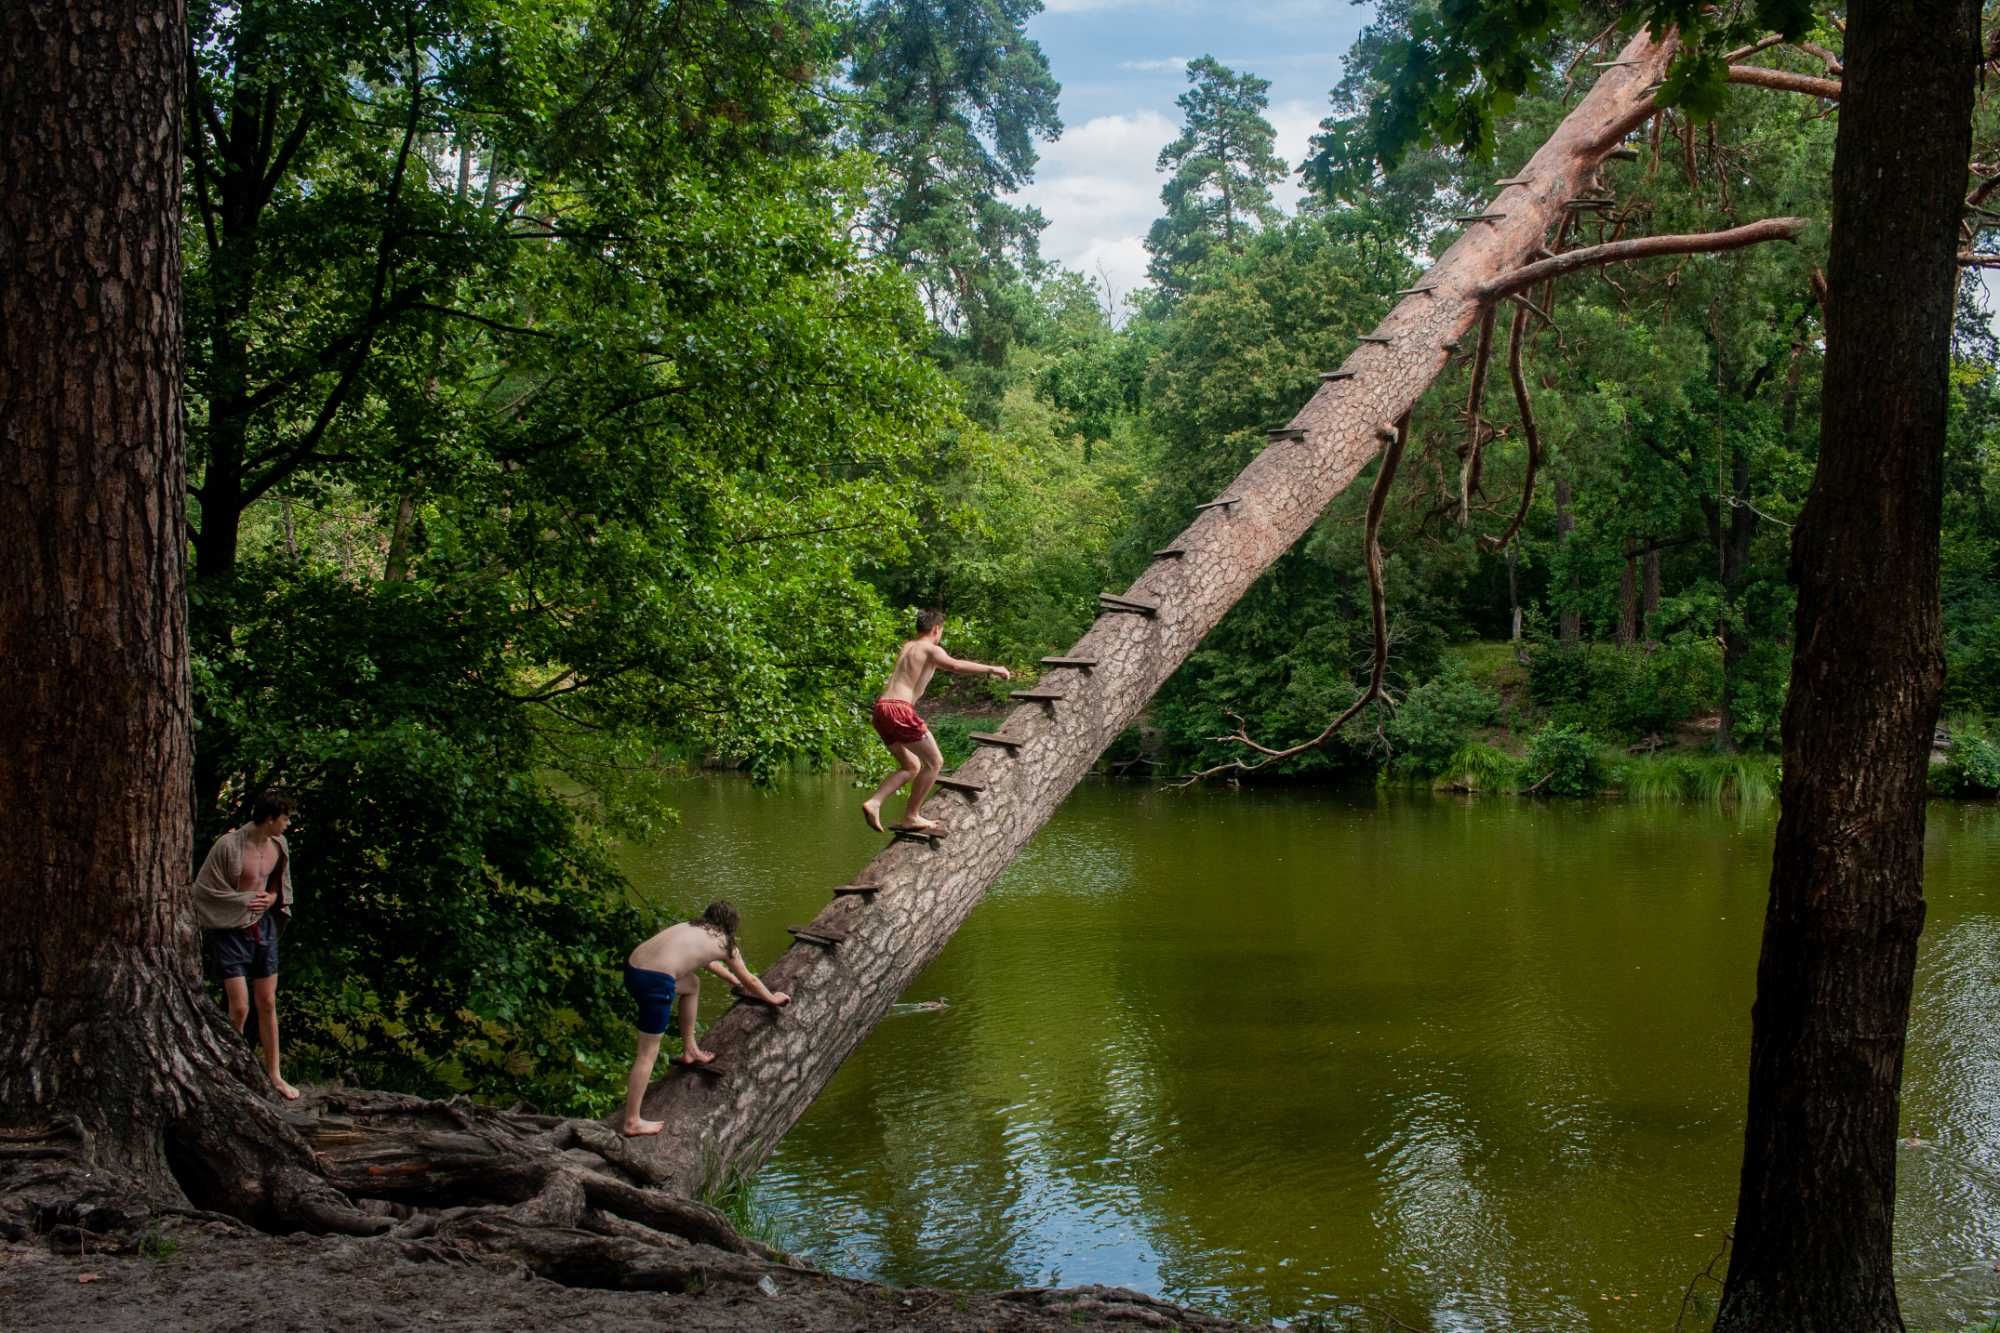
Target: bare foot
[(871, 810), (917, 824), (285, 1090), (637, 1128), (694, 1055)]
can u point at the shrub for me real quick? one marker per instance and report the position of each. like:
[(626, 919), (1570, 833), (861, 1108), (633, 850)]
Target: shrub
[(1479, 767), (1973, 768), (1435, 720), (1562, 761), (1748, 779), (1626, 691)]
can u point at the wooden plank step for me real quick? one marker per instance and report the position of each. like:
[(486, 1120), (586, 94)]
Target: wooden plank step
[(1625, 154), (815, 935), (1416, 291), (1480, 217), (1378, 338), (715, 1069), (961, 785), (1585, 205), (841, 891), (1106, 602), (1223, 503), (933, 836), (1169, 552), (993, 738), (1329, 376), (1287, 434), (1514, 180), (1033, 697), (1080, 663)]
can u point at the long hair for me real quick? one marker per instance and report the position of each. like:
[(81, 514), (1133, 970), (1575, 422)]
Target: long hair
[(720, 915)]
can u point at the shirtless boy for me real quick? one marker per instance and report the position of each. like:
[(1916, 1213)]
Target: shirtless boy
[(896, 721), (673, 961)]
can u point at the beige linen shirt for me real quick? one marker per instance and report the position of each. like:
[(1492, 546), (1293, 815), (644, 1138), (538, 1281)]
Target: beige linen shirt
[(219, 904)]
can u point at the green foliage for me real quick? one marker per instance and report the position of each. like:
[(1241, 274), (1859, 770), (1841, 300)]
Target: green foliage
[(455, 926), (1220, 173), (1971, 767), (1562, 760), (1449, 73), (1479, 767), (952, 96), (1626, 691), (1711, 779), (1434, 722), (953, 732)]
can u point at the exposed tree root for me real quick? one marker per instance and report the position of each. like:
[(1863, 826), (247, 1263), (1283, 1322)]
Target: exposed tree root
[(1378, 499), (1518, 336), (1468, 474), (445, 1181)]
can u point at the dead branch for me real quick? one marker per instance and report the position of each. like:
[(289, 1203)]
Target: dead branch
[(1969, 259), (1468, 475), (1528, 431), (1645, 247), (1761, 44), (1378, 499), (1832, 62), (1784, 81)]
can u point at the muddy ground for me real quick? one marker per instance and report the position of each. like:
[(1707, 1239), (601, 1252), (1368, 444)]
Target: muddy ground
[(208, 1275)]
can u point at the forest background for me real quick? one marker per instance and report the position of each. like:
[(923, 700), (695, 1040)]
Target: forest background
[(580, 391)]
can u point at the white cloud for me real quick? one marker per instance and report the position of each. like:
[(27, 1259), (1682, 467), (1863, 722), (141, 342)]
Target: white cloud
[(1170, 65), (1296, 121), (1088, 6), (1100, 191)]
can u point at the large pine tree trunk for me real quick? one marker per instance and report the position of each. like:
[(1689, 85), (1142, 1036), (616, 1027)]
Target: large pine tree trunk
[(106, 1042), (778, 1062), (1813, 1226)]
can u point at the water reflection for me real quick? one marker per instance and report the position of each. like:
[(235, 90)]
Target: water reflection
[(1479, 1064)]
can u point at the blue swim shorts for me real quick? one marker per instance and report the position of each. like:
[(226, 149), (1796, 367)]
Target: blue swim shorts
[(246, 951), (655, 993)]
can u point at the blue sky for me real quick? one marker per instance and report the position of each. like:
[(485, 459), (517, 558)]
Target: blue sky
[(1120, 66)]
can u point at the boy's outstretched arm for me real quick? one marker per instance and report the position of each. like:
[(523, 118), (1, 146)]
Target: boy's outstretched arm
[(959, 666), (749, 981)]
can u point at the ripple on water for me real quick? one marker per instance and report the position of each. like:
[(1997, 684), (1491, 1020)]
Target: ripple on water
[(1479, 1065)]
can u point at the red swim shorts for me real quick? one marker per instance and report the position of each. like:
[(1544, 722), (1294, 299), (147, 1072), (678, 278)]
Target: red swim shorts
[(897, 723)]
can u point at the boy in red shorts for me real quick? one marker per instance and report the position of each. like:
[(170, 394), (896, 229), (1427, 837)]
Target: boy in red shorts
[(896, 721)]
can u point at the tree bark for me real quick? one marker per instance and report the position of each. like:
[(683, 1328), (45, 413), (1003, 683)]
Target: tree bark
[(1570, 621), (106, 1043), (1813, 1225), (1649, 599), (1628, 598), (778, 1061)]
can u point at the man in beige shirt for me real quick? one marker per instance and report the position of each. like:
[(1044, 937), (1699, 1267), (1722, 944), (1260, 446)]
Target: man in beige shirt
[(243, 898)]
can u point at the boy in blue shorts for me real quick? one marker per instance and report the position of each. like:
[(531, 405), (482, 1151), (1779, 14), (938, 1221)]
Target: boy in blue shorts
[(669, 963)]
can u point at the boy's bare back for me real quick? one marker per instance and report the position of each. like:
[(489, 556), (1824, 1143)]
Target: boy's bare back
[(916, 663), (680, 949)]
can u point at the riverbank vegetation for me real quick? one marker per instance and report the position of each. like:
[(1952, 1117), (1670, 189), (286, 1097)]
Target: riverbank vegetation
[(572, 401)]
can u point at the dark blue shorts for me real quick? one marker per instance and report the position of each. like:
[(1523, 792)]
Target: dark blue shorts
[(655, 993), (248, 951)]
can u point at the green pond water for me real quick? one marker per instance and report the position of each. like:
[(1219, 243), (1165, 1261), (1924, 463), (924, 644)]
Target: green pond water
[(1476, 1064)]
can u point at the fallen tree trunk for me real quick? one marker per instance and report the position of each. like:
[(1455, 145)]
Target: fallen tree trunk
[(776, 1062)]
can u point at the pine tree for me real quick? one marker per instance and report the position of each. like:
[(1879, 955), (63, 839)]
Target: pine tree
[(1222, 169)]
